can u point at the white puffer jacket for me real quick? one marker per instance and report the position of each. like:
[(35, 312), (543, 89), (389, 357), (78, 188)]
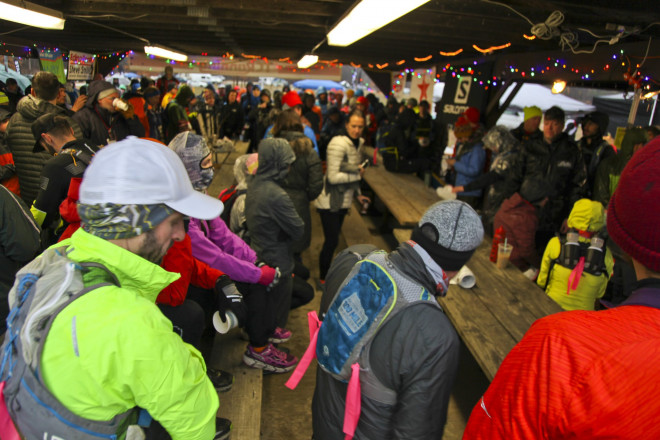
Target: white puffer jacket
[(338, 148)]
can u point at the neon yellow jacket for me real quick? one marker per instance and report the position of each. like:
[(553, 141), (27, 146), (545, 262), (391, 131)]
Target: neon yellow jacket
[(586, 215), (113, 349)]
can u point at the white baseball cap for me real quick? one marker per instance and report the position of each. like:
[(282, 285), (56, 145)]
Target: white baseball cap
[(138, 171)]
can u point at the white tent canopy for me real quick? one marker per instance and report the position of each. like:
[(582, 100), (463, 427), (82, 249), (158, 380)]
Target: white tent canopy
[(542, 97)]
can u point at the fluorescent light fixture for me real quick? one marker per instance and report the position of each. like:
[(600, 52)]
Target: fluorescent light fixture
[(367, 17), (558, 86), (31, 14), (162, 52), (307, 61)]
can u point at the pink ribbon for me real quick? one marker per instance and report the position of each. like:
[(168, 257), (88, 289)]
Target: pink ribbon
[(353, 403), (575, 276), (7, 429), (310, 352)]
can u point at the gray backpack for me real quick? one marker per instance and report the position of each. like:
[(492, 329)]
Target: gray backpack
[(41, 291)]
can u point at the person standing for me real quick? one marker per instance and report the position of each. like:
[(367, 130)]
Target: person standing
[(273, 225), (105, 118), (342, 182), (42, 100), (594, 148)]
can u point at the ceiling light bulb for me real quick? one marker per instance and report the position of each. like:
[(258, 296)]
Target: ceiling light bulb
[(307, 61), (31, 14), (162, 52), (367, 17)]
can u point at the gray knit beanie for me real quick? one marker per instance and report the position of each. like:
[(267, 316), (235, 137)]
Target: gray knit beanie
[(449, 231)]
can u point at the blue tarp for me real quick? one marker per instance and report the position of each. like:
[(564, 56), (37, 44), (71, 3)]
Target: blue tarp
[(316, 83)]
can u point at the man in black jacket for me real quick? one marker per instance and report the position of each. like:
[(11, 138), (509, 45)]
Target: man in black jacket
[(102, 120), (556, 160), (71, 157)]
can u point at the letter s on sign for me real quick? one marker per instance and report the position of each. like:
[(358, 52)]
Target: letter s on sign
[(463, 90)]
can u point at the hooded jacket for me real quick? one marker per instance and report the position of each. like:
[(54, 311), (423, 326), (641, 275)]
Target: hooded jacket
[(609, 171), (272, 221), (303, 184), (588, 216), (561, 165), (177, 118), (415, 354), (99, 125), (20, 141), (127, 353)]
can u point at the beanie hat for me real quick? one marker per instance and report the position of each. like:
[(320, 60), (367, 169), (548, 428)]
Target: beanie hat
[(532, 112), (184, 95), (321, 90), (359, 92), (265, 92), (291, 99), (4, 114), (449, 231), (150, 92), (364, 101), (210, 87), (104, 93), (638, 192), (601, 119), (472, 114)]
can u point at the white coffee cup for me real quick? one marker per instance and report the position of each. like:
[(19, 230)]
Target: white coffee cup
[(464, 278), (231, 321), (119, 104)]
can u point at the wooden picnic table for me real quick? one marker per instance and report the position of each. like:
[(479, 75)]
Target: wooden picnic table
[(404, 195), (494, 315)]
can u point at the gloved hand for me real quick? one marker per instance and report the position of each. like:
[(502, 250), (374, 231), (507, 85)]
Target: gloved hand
[(269, 276), (229, 299)]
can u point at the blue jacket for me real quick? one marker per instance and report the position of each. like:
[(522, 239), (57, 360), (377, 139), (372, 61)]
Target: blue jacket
[(468, 167)]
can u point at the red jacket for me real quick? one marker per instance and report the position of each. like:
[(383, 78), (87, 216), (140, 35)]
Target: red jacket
[(520, 221), (179, 259), (577, 375), (11, 183), (69, 208)]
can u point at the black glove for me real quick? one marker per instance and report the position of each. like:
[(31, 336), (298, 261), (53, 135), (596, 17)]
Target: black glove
[(230, 299)]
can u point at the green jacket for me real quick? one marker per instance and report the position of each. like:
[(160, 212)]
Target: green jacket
[(112, 349), (609, 170)]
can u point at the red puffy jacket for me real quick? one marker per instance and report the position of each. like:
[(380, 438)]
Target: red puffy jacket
[(179, 259)]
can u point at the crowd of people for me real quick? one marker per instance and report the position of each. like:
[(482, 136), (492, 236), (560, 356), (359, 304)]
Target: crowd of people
[(138, 267)]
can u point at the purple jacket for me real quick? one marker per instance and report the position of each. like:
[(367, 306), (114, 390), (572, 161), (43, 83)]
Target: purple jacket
[(214, 244)]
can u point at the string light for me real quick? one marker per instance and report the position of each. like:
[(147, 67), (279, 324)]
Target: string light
[(398, 63), (451, 54), (490, 49), (421, 60), (382, 66), (529, 37)]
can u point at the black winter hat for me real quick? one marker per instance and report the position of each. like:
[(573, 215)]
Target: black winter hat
[(600, 118), (184, 95)]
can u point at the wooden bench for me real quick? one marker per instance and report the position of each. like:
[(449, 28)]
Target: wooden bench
[(494, 315), (404, 195)]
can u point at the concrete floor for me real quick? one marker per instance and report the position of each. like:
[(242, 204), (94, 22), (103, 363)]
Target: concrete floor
[(286, 414)]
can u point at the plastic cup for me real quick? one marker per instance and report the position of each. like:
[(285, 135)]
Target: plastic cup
[(223, 327), (503, 255)]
